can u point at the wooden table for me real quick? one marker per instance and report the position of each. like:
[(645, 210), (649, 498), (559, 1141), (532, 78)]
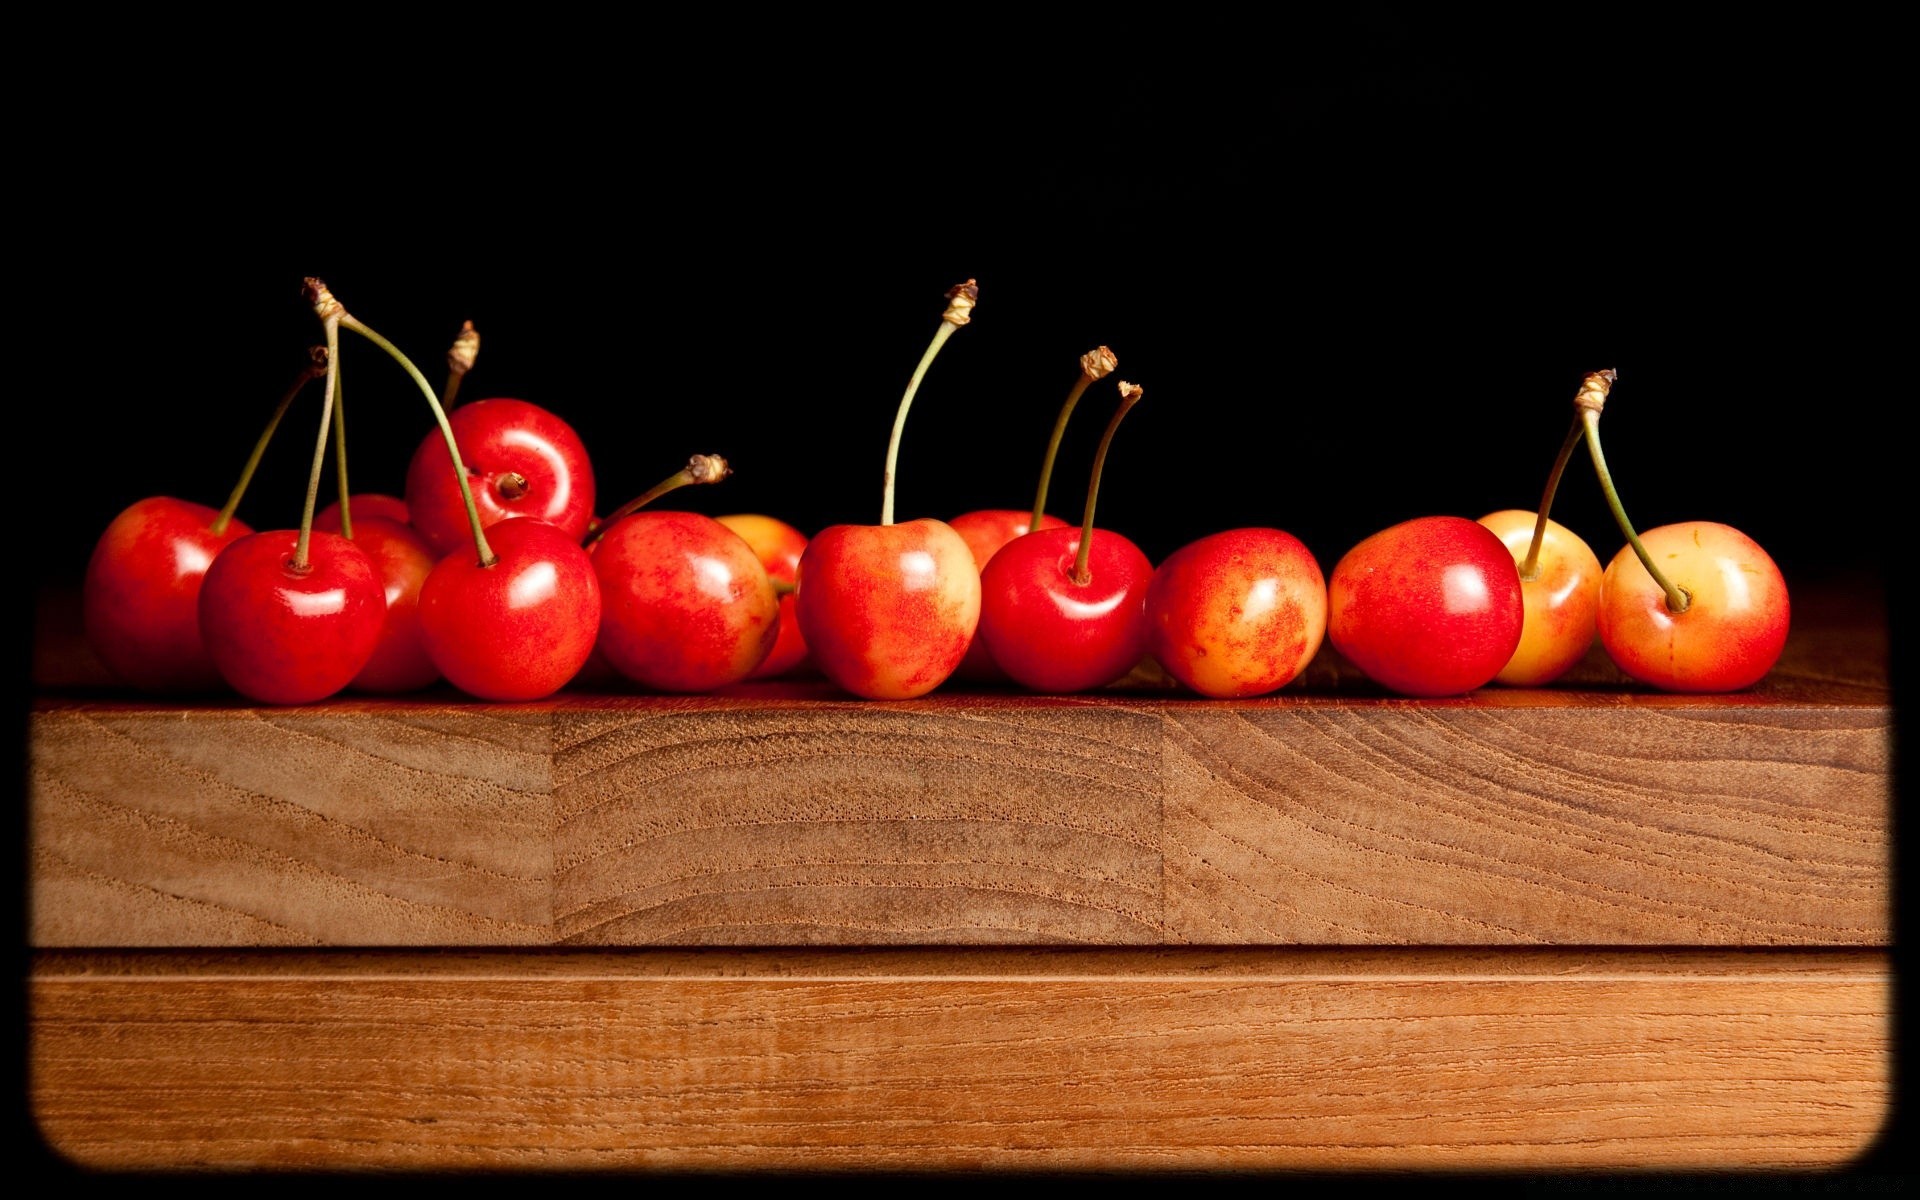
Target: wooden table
[(1588, 926)]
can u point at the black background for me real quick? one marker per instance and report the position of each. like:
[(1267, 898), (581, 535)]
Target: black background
[(1360, 265)]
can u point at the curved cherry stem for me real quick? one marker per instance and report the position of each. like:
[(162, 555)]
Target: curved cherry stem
[(315, 368), (340, 454), (1095, 364), (331, 310), (1677, 599), (1530, 565), (960, 302), (701, 468), (460, 357), (1130, 394), (332, 326)]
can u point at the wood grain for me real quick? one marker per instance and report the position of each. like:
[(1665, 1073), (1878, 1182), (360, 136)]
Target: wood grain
[(791, 815), (1139, 1060)]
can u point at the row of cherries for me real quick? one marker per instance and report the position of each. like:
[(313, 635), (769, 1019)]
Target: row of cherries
[(494, 574)]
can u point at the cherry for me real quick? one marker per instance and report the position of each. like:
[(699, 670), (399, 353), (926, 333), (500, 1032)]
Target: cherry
[(1559, 575), (281, 632), (140, 602), (525, 462), (141, 598), (1694, 607), (403, 560), (518, 624), (1429, 607), (778, 546), (1064, 610), (889, 610), (1237, 613), (689, 608), (363, 504), (986, 530)]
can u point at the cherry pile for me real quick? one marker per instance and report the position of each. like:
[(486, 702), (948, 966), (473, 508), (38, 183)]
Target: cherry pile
[(494, 574)]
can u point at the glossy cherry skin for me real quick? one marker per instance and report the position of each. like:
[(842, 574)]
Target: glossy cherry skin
[(516, 630), (1429, 607), (280, 635), (403, 560), (1237, 613), (779, 546), (985, 531), (141, 599), (498, 439), (688, 607), (365, 504), (888, 610), (1051, 634), (1733, 630), (1562, 600)]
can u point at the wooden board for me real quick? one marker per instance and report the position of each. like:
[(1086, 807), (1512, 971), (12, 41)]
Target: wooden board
[(1128, 1060)]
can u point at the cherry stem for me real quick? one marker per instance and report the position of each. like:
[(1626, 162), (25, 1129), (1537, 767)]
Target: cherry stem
[(1130, 394), (960, 302), (460, 356), (1095, 364), (330, 309), (340, 454), (315, 368), (701, 468), (782, 588), (332, 325), (1530, 565), (1677, 599)]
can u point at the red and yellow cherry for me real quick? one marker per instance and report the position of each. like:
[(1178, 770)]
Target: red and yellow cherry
[(517, 628), (1429, 607), (521, 460), (281, 634), (778, 546), (1562, 599), (1237, 613), (687, 607), (403, 561), (365, 504), (889, 610), (141, 598), (1735, 624)]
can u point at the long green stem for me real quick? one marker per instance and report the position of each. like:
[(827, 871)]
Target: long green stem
[(1095, 364), (1130, 394), (1530, 565), (701, 468), (316, 367), (960, 302), (487, 557), (332, 326), (1677, 598), (340, 454)]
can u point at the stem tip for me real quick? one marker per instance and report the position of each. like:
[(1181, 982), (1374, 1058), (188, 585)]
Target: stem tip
[(960, 301), (708, 468), (1098, 363), (465, 348), (1592, 396), (321, 297)]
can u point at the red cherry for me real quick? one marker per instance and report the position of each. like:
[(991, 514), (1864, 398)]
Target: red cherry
[(888, 610), (985, 531), (1237, 613), (1735, 624), (522, 461), (688, 607), (519, 628), (365, 504), (403, 560), (779, 546), (282, 635), (141, 599), (1051, 633), (1429, 607)]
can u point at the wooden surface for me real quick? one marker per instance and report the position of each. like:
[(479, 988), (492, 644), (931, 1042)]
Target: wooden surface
[(1129, 1060), (1581, 926)]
